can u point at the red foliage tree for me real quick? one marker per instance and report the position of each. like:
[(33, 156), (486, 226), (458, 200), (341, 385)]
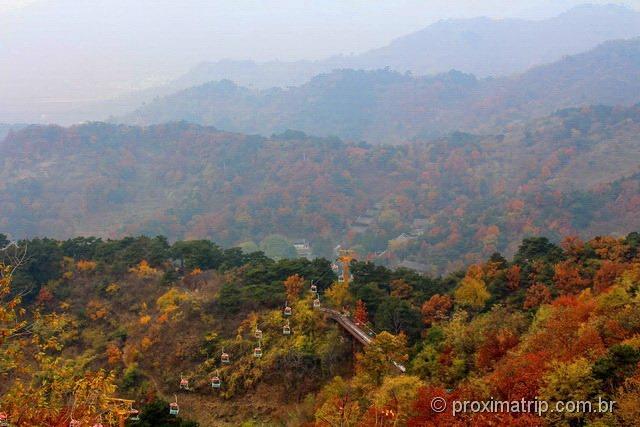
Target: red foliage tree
[(607, 274), (573, 246), (44, 296), (430, 399), (537, 295), (558, 333), (361, 315), (513, 277), (436, 308), (493, 419), (495, 346), (519, 376), (567, 278)]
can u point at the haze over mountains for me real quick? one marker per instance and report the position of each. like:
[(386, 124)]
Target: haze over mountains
[(386, 106), (480, 46)]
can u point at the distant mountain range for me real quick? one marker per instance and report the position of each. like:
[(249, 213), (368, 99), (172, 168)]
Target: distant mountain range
[(386, 106), (480, 46), (574, 172)]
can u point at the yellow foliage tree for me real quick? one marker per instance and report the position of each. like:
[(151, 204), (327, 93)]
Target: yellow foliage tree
[(472, 292), (84, 265), (49, 390), (628, 398), (112, 288), (338, 294), (143, 269), (170, 300), (9, 311), (97, 310), (379, 356), (11, 323), (67, 396), (568, 381), (337, 407), (396, 395)]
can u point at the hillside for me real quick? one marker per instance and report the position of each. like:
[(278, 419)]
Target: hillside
[(387, 107), (458, 198), (481, 46), (140, 319)]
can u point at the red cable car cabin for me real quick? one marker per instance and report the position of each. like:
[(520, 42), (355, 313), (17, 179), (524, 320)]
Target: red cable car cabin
[(287, 310), (215, 382), (174, 408)]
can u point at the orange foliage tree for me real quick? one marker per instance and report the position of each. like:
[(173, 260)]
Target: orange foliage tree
[(537, 295), (436, 308), (513, 277), (607, 274), (519, 376), (293, 286), (568, 279)]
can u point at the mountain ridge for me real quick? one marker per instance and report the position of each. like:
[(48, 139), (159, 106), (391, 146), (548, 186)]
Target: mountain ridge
[(387, 106), (463, 44)]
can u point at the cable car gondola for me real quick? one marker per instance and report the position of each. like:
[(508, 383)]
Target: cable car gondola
[(174, 409), (224, 358), (134, 415), (287, 309), (215, 381), (184, 383), (286, 329)]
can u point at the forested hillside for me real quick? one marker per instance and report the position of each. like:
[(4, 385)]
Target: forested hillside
[(83, 320), (384, 106), (458, 198)]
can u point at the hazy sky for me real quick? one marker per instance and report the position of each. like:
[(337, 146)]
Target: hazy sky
[(112, 46)]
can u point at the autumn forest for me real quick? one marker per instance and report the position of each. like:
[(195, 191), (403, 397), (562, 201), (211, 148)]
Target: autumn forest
[(443, 230)]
